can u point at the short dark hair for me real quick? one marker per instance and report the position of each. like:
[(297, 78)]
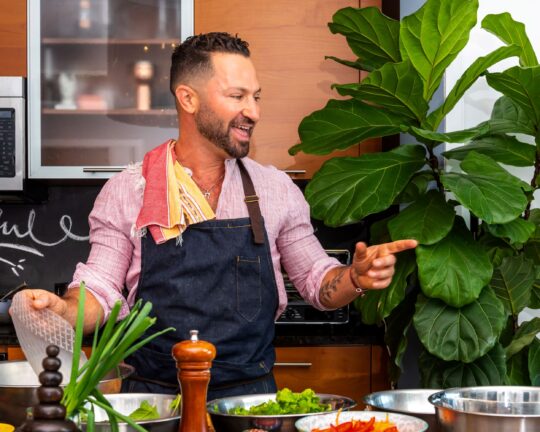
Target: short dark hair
[(193, 55)]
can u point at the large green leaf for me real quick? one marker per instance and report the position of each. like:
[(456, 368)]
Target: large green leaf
[(495, 248), (511, 32), (372, 36), (395, 336), (358, 64), (517, 369), (507, 116), (427, 220), (455, 269), (346, 190), (534, 362), (506, 149), (522, 85), (433, 36), (416, 187), (449, 137), (512, 282), (489, 369), (517, 231), (487, 189), (477, 68), (343, 123), (376, 305), (395, 86), (525, 334), (462, 334)]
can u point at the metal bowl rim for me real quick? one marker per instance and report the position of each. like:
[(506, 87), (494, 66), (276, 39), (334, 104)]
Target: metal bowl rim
[(371, 396), (209, 407), (433, 400), (157, 421), (129, 370)]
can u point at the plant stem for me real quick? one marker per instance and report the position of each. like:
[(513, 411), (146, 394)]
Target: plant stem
[(533, 185), (433, 162)]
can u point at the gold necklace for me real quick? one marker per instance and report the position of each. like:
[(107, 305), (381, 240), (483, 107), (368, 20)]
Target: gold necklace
[(207, 192)]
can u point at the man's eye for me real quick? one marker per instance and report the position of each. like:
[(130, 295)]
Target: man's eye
[(237, 97), (257, 98)]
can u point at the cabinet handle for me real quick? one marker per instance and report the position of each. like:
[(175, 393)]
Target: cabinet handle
[(294, 364), (294, 171), (104, 169)]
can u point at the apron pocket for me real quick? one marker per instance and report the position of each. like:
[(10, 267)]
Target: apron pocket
[(248, 287)]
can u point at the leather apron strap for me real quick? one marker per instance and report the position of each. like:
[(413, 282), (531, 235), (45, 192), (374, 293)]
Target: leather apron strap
[(252, 203)]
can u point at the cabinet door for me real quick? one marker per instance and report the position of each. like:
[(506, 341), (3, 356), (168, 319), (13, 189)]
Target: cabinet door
[(288, 41), (341, 370), (99, 83)]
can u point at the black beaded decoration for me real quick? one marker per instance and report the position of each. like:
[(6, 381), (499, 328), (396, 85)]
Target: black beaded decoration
[(49, 415)]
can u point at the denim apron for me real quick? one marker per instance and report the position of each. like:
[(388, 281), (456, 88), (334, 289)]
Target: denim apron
[(221, 282)]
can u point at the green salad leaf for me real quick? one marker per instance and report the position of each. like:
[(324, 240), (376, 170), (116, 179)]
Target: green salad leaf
[(287, 402), (145, 412)]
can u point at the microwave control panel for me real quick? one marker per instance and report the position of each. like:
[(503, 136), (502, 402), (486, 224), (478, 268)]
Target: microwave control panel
[(7, 142)]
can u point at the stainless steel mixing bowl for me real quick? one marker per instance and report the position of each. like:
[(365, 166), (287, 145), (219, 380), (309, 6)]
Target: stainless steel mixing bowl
[(225, 422), (126, 403), (493, 409), (407, 401), (19, 384)]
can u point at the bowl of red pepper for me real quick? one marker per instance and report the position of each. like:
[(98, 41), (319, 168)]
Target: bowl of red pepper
[(361, 421)]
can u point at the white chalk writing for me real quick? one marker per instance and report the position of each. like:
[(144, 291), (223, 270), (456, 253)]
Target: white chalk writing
[(65, 223)]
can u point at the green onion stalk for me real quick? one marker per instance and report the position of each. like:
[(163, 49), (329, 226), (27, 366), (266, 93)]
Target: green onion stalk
[(111, 346)]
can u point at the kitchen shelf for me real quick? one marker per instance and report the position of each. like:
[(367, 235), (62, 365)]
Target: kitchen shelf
[(105, 41), (126, 112)]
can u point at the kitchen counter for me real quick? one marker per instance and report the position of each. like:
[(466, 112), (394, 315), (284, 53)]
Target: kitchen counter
[(287, 335)]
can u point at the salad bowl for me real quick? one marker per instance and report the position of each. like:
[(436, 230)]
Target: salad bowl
[(223, 421), (404, 423)]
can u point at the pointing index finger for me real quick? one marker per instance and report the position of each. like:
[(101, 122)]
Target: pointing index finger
[(398, 246)]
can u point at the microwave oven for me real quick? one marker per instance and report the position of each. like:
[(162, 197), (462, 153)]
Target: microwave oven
[(12, 133)]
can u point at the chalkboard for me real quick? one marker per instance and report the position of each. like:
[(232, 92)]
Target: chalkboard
[(41, 244)]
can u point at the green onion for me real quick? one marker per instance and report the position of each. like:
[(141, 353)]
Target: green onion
[(117, 341)]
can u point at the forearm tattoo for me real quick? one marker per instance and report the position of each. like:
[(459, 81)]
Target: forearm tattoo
[(328, 288)]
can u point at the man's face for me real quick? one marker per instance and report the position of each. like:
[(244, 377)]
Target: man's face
[(229, 104)]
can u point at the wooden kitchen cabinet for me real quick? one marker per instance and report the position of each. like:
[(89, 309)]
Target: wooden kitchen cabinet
[(12, 37), (351, 370), (288, 41)]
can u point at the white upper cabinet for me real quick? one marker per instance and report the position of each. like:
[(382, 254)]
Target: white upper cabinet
[(98, 83)]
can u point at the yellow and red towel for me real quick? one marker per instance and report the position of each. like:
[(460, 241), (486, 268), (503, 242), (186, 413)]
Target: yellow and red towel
[(172, 201)]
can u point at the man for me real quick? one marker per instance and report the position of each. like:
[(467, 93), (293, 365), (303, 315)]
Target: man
[(185, 231)]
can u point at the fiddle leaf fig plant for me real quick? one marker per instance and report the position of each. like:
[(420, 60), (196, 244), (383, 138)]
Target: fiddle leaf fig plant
[(464, 286)]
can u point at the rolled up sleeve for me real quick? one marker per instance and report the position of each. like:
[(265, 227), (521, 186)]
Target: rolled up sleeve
[(302, 255), (111, 251)]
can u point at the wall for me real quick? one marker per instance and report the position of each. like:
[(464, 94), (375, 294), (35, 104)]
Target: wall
[(477, 103)]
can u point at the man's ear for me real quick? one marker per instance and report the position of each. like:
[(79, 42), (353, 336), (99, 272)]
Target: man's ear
[(187, 98)]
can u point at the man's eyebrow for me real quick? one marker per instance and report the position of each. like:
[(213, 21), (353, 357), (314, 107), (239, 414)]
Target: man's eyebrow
[(245, 90)]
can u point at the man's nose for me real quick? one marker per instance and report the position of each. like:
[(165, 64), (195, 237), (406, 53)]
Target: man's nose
[(251, 110)]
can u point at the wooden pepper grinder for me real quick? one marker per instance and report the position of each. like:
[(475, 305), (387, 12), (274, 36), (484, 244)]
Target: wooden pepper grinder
[(49, 415), (193, 361)]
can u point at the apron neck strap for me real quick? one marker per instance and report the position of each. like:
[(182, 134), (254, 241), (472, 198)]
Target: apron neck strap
[(252, 203)]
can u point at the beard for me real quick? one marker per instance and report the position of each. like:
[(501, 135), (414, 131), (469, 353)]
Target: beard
[(214, 130)]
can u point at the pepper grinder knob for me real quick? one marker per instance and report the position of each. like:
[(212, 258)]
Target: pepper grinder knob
[(193, 361)]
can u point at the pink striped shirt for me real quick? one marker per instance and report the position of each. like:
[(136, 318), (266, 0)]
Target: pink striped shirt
[(115, 255)]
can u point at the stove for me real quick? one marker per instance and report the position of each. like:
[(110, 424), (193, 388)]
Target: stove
[(298, 311)]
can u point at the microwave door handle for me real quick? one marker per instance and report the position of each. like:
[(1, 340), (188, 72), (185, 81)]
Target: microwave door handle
[(104, 169)]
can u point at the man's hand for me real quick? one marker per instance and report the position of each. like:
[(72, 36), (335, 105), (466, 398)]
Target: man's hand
[(67, 305), (43, 299), (373, 267)]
